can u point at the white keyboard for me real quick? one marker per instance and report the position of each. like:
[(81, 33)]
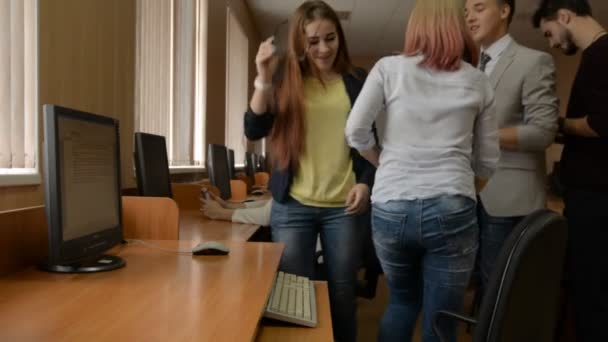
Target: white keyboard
[(292, 300)]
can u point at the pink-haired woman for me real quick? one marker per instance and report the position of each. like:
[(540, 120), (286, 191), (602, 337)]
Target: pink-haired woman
[(440, 146)]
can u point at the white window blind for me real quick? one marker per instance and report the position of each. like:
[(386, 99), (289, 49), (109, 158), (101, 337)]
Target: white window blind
[(237, 76), (18, 92), (170, 83)]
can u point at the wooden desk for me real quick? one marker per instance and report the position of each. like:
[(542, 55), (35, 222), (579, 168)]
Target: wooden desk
[(195, 227), (275, 331), (158, 296)]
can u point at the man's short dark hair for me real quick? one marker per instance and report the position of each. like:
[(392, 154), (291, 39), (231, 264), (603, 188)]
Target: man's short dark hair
[(548, 9), (511, 4)]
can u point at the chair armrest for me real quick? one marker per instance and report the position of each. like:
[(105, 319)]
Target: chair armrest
[(447, 314)]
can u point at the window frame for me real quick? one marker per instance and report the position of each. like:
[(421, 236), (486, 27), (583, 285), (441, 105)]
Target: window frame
[(29, 176)]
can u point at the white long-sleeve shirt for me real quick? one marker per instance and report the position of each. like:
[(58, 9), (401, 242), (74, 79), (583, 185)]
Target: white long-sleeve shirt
[(440, 129), (257, 212)]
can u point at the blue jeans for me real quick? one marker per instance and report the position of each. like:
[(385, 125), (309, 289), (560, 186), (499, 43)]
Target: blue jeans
[(427, 250), (297, 226), (493, 231)]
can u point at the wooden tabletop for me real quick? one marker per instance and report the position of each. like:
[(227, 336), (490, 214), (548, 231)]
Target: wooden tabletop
[(273, 331), (158, 296), (195, 227)]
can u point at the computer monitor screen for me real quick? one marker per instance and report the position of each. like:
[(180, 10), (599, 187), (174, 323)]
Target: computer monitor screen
[(231, 167), (251, 164), (217, 167), (152, 165), (82, 190), (262, 167)]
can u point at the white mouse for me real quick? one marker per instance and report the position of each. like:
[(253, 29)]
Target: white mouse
[(210, 248)]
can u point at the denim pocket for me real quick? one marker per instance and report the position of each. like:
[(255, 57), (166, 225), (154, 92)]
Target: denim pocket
[(458, 222), (387, 226)]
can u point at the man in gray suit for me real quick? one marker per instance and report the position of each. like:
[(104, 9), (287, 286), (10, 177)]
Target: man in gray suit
[(527, 113)]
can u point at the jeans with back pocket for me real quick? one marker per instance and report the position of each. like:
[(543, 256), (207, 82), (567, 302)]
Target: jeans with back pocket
[(427, 249)]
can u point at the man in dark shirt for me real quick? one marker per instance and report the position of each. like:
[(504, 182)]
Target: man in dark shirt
[(568, 25)]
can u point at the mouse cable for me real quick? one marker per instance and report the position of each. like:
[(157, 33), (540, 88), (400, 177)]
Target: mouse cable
[(153, 246)]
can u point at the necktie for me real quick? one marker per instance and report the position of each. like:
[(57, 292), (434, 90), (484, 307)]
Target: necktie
[(485, 58)]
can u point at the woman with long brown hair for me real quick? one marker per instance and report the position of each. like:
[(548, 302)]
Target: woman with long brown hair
[(319, 185), (440, 146)]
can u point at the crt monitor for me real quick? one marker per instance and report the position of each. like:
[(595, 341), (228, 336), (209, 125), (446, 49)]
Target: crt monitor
[(152, 165), (262, 167), (82, 190), (217, 167), (251, 164), (231, 167)]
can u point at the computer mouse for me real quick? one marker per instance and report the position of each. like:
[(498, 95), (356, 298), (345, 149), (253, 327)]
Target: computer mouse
[(210, 248), (257, 192)]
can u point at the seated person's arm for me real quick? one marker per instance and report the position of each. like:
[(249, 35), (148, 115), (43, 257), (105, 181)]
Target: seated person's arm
[(215, 211), (257, 212), (259, 215)]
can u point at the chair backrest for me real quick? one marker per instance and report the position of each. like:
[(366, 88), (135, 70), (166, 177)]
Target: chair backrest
[(150, 218), (521, 299), (261, 179), (187, 195), (238, 188)]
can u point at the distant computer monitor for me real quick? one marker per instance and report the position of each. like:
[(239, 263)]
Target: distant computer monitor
[(152, 165), (231, 167), (251, 164), (217, 167), (262, 164), (82, 190)]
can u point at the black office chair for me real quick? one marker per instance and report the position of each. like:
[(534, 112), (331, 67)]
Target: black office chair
[(521, 300)]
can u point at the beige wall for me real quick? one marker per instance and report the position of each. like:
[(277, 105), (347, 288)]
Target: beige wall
[(365, 62), (216, 62), (87, 50)]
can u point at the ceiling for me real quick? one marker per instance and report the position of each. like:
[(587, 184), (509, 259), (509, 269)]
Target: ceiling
[(376, 27)]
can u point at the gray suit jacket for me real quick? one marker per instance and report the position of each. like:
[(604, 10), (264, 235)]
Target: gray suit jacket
[(524, 83)]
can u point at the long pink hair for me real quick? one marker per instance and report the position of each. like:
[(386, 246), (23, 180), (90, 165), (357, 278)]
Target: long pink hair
[(288, 134), (437, 31)]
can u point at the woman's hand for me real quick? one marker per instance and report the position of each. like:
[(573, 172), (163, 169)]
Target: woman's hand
[(218, 199), (214, 210), (357, 200), (266, 61)]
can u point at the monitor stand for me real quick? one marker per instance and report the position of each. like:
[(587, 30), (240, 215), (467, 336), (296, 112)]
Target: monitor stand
[(100, 263)]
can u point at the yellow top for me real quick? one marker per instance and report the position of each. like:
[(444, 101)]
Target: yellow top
[(326, 174)]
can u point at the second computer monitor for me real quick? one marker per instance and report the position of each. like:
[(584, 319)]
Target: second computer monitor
[(152, 165), (231, 167), (218, 169), (251, 164)]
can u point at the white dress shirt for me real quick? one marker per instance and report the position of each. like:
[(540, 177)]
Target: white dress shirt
[(440, 131), (495, 51)]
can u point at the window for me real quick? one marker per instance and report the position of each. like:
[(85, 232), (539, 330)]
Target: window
[(18, 92), (237, 76), (170, 85)]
